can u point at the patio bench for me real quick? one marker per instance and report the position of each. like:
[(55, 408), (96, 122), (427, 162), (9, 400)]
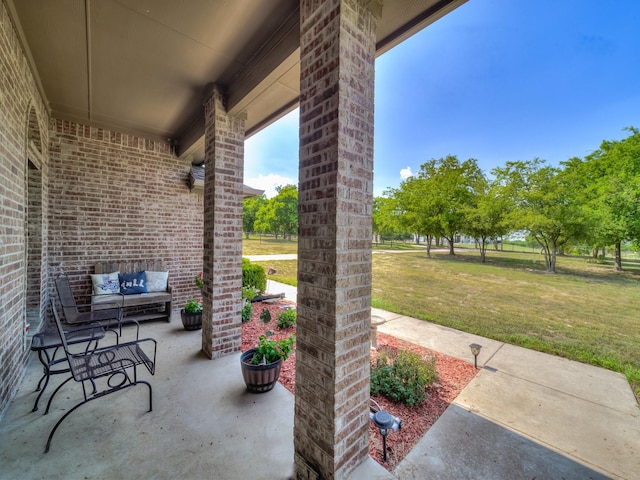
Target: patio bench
[(157, 295)]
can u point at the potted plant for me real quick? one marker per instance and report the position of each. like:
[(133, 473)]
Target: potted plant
[(261, 365), (191, 314)]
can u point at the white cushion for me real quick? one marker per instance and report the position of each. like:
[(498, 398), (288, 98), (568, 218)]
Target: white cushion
[(157, 281), (105, 283)]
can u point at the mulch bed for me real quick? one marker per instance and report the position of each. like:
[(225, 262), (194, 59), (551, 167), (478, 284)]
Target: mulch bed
[(454, 375)]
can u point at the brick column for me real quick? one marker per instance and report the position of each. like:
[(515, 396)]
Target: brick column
[(334, 248), (222, 261)]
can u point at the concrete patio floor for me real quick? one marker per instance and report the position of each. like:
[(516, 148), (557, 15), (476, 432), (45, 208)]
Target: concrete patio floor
[(204, 423)]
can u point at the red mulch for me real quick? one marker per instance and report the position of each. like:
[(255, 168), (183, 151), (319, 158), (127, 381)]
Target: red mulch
[(454, 375)]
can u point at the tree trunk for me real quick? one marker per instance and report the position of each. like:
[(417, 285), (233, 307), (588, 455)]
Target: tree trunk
[(549, 251), (450, 240), (246, 235), (547, 259), (429, 237), (618, 257), (483, 249), (552, 268), (595, 251)]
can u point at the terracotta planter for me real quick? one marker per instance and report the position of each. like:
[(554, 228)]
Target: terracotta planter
[(259, 378), (191, 321)]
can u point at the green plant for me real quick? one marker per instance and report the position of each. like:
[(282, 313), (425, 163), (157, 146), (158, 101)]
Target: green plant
[(402, 376), (287, 318), (265, 315), (253, 275), (193, 306), (249, 293), (247, 311), (270, 350)]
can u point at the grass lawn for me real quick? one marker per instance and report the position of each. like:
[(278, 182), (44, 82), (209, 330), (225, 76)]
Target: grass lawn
[(268, 245), (586, 312)]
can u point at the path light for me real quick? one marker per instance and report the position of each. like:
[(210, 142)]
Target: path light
[(384, 422), (475, 349)]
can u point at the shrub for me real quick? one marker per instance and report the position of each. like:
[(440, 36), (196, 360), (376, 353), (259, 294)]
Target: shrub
[(247, 311), (287, 318), (249, 293), (253, 275), (402, 376), (265, 315)]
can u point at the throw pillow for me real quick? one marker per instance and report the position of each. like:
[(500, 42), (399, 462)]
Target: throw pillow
[(105, 283), (157, 281), (131, 283)]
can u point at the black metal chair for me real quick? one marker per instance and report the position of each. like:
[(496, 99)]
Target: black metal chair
[(108, 316), (47, 344), (104, 370)]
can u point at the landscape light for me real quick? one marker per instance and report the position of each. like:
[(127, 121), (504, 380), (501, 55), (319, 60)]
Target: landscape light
[(475, 349)]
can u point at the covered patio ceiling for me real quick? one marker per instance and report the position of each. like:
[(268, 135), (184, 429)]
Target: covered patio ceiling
[(144, 66)]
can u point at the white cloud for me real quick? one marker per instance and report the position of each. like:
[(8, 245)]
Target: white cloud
[(406, 173), (269, 182)]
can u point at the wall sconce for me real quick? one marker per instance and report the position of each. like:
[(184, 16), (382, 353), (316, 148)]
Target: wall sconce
[(475, 349)]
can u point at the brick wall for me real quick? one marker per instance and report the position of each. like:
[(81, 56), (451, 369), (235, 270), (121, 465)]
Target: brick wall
[(334, 242), (118, 197), (23, 120)]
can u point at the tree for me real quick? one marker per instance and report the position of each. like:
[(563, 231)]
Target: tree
[(250, 207), (613, 173), (419, 207), (448, 192), (386, 218), (280, 214), (544, 205), (487, 217)]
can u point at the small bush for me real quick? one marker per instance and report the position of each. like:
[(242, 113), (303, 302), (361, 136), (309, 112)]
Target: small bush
[(253, 275), (247, 311), (249, 293), (265, 315), (402, 376), (287, 318)]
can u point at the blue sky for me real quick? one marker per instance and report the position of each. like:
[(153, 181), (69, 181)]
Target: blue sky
[(495, 80)]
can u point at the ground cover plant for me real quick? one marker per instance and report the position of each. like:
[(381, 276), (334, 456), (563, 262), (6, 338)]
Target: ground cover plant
[(586, 312), (402, 376)]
